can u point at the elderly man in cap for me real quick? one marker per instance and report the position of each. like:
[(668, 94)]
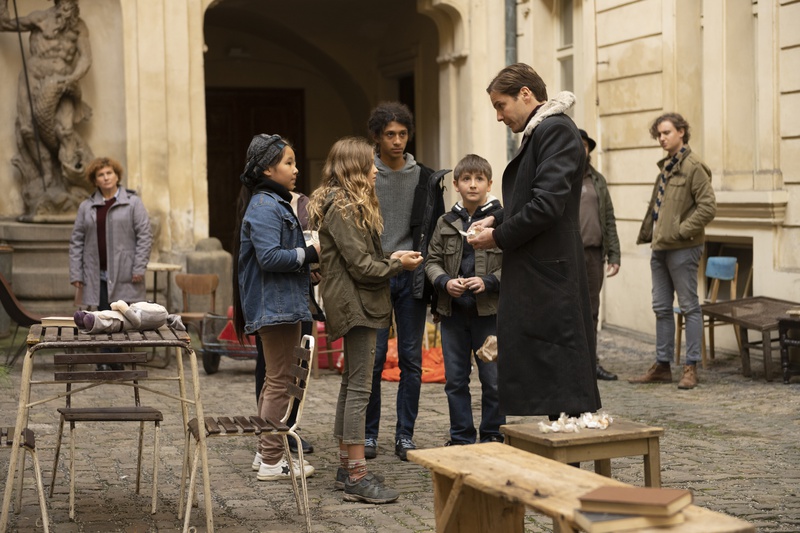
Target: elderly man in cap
[(599, 235)]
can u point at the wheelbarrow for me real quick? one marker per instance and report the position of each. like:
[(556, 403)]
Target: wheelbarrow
[(218, 338)]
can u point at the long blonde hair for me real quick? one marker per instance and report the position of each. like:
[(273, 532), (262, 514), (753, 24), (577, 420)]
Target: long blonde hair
[(346, 178)]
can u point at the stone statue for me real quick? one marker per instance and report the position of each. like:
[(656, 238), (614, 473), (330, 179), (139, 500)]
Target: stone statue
[(51, 155)]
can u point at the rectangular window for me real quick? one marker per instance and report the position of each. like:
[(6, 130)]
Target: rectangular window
[(565, 8), (567, 73)]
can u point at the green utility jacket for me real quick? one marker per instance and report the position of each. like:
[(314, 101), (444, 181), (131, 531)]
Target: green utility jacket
[(608, 222), (688, 206), (355, 275)]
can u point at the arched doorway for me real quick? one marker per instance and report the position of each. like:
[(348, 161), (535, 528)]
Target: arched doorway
[(311, 72)]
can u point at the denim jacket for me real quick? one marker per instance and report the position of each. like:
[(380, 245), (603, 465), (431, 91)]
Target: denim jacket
[(273, 285)]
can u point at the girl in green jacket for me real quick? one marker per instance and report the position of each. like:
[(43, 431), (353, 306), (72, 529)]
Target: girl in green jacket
[(355, 294)]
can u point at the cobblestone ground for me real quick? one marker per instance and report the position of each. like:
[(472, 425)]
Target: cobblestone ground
[(734, 441)]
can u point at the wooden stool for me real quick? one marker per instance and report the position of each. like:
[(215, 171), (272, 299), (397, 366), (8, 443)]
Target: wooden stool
[(621, 439)]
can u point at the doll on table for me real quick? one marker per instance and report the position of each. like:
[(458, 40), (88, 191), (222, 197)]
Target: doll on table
[(137, 316)]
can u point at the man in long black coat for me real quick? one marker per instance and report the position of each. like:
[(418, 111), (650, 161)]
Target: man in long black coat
[(544, 321)]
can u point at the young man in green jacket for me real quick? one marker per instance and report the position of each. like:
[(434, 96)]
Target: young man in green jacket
[(681, 206)]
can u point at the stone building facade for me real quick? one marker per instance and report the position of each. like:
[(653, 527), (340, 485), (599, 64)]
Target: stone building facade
[(178, 86)]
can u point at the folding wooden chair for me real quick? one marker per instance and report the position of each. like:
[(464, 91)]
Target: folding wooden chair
[(19, 315), (28, 445), (243, 426), (197, 285), (135, 413)]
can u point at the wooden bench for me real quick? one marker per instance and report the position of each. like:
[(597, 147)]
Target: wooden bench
[(486, 487), (622, 438), (28, 444)]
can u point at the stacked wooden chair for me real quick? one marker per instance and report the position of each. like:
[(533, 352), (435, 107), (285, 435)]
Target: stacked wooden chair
[(90, 378), (252, 426), (28, 444)]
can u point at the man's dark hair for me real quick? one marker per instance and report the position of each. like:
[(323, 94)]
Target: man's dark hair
[(513, 78), (387, 112), (677, 120)]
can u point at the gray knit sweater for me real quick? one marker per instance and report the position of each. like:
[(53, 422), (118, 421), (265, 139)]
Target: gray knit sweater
[(395, 190)]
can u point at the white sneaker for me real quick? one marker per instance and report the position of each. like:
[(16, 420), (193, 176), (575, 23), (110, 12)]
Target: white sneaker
[(281, 471), (258, 460)]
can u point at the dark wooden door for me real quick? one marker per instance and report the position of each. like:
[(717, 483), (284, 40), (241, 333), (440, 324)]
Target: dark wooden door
[(233, 116)]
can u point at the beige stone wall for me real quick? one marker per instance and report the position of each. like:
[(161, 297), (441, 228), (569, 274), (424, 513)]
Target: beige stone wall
[(165, 110), (729, 66)]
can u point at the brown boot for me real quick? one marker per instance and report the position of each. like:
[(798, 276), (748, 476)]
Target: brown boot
[(658, 373), (689, 379)]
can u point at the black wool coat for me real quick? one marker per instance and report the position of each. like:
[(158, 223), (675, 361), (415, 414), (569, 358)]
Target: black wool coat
[(544, 321)]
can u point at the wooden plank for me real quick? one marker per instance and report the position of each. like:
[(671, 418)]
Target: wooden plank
[(111, 414), (261, 424), (101, 375), (99, 357), (167, 334), (299, 373), (193, 428), (67, 334), (34, 334), (445, 519), (51, 334), (135, 336), (294, 391), (228, 424), (302, 353), (245, 424), (212, 428)]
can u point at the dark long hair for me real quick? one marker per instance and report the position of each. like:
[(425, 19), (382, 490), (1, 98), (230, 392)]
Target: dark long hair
[(245, 194)]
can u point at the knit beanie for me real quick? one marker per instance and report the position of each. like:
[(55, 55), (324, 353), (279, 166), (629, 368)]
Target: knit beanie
[(262, 150)]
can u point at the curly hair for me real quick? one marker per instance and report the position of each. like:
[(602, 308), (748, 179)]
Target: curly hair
[(677, 120), (346, 178), (387, 112), (103, 162)]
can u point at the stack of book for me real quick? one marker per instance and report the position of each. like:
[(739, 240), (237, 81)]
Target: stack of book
[(612, 509)]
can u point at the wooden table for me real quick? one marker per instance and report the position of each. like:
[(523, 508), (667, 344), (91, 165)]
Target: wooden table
[(760, 313), (69, 338), (622, 438), (486, 488), (155, 268)]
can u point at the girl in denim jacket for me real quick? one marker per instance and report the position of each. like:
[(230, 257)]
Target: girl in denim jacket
[(270, 282)]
